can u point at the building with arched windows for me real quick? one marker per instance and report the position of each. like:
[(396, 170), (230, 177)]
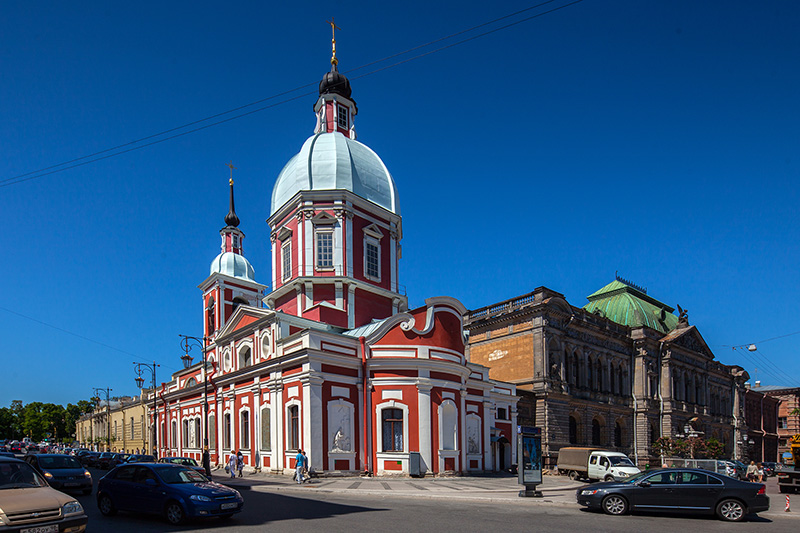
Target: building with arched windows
[(329, 359), (619, 372)]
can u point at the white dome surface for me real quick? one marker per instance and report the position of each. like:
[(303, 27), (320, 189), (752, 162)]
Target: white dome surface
[(329, 161), (233, 265)]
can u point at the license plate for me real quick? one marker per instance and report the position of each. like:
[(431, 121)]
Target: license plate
[(71, 484), (41, 529), (229, 506)]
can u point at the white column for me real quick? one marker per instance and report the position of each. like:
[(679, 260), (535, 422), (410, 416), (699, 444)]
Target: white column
[(312, 420), (255, 446), (349, 267), (300, 243), (308, 243), (274, 250), (351, 306), (276, 426), (425, 441), (393, 262), (488, 423), (462, 429)]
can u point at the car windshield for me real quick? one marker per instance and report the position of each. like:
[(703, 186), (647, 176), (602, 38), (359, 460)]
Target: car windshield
[(19, 476), (636, 477), (620, 461), (174, 476), (185, 461), (59, 461)]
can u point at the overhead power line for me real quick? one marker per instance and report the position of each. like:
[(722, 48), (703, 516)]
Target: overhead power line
[(175, 132)]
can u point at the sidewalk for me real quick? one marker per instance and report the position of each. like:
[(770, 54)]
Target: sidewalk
[(499, 487)]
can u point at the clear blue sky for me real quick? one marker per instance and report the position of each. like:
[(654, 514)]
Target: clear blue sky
[(657, 139)]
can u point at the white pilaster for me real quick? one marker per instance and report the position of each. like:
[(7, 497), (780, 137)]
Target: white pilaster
[(312, 420), (425, 442)]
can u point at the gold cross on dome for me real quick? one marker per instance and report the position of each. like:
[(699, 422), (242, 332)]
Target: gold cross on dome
[(230, 166), (334, 27)]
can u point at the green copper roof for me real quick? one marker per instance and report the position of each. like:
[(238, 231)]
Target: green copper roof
[(632, 307)]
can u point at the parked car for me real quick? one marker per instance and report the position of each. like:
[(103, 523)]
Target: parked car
[(28, 503), (89, 459), (174, 491), (769, 468), (185, 461), (594, 464), (678, 489), (62, 471), (140, 458)]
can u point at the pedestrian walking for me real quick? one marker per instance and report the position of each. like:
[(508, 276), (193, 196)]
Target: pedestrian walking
[(232, 465), (207, 462), (752, 469), (306, 466), (760, 472), (299, 465), (239, 462)]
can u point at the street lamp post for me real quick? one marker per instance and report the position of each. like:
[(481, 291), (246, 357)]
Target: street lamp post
[(187, 343), (140, 383), (97, 392)]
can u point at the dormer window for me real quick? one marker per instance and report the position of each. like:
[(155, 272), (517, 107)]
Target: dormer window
[(342, 116)]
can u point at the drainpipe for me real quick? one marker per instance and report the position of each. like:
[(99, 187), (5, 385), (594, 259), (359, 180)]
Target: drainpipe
[(366, 436), (737, 434), (660, 399)]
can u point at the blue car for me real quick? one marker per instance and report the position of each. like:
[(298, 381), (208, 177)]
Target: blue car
[(173, 491)]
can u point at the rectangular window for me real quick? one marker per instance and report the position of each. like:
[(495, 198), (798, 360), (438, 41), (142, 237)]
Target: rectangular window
[(372, 262), (294, 428), (324, 249), (501, 413), (185, 434), (783, 422), (286, 263), (226, 435), (245, 429), (392, 430), (212, 432), (173, 435), (341, 117)]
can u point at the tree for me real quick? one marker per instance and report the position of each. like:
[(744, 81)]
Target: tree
[(714, 448)]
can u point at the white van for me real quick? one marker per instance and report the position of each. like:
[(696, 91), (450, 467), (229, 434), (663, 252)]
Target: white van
[(610, 466)]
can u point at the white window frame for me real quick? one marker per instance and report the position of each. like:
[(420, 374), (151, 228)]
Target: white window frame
[(342, 111), (286, 260), (242, 435), (319, 232), (448, 404), (372, 241), (240, 354), (391, 404)]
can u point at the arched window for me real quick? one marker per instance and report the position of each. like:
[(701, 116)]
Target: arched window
[(617, 435), (191, 382), (245, 357), (244, 427), (573, 430), (238, 301), (212, 431), (448, 420), (294, 427), (211, 322), (590, 374), (596, 433), (173, 434), (266, 439)]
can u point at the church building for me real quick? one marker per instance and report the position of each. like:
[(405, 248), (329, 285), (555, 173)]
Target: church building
[(328, 358)]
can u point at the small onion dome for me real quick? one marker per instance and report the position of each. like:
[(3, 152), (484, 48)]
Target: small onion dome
[(334, 82), (233, 265)]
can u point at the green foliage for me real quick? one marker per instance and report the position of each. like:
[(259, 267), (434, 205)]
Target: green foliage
[(691, 447), (38, 420)]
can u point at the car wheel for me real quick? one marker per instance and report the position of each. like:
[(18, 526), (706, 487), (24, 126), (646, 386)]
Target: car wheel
[(615, 504), (731, 510), (573, 475), (174, 513), (609, 478), (106, 505)]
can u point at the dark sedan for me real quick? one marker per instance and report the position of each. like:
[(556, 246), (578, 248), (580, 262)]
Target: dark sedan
[(678, 489), (140, 458), (62, 472), (185, 461), (174, 491)]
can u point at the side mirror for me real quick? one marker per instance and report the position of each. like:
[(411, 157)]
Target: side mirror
[(644, 484)]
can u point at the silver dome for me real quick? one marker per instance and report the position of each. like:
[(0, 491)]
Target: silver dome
[(233, 265), (329, 161)]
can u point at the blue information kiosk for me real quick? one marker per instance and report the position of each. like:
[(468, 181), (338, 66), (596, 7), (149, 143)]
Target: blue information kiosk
[(529, 459)]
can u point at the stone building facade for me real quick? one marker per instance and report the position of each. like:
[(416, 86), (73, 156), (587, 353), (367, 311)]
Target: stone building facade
[(619, 372), (761, 416), (788, 415), (120, 426)]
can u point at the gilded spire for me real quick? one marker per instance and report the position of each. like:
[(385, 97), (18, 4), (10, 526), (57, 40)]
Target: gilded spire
[(334, 27)]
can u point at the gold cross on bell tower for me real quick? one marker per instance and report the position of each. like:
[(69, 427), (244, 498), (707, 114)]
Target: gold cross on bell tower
[(334, 27), (230, 166)]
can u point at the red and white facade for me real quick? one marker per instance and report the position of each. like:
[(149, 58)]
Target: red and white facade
[(334, 364)]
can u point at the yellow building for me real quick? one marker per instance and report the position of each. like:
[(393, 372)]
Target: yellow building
[(119, 426)]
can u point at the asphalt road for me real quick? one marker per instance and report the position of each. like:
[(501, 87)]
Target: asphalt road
[(333, 512)]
